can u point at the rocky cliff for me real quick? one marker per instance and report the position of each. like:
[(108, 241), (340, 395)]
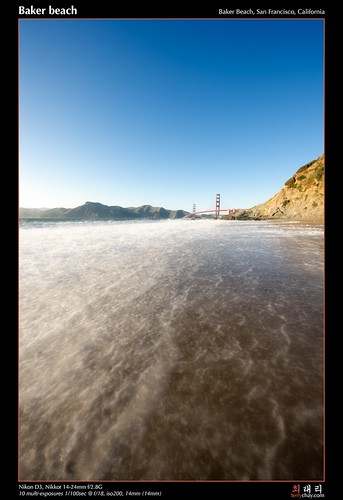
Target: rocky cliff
[(301, 198)]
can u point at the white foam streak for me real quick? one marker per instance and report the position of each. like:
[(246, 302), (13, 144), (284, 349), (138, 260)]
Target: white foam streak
[(170, 350)]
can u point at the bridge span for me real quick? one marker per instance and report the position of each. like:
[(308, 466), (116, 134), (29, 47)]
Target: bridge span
[(217, 210)]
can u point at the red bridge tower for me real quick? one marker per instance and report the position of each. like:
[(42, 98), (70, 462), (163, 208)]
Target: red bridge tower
[(217, 212)]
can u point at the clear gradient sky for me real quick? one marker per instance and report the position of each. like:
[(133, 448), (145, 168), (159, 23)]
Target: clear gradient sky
[(167, 112)]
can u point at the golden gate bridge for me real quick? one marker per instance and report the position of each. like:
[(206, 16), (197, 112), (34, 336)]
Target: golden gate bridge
[(216, 210)]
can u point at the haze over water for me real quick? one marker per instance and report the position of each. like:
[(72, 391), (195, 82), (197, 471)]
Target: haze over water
[(171, 350)]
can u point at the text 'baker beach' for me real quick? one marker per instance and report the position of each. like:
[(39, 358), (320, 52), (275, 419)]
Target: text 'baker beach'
[(51, 11)]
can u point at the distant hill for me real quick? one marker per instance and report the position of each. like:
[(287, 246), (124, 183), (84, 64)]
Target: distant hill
[(92, 210), (301, 198)]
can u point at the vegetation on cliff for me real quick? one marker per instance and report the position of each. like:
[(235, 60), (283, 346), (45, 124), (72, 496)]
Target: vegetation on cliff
[(302, 197)]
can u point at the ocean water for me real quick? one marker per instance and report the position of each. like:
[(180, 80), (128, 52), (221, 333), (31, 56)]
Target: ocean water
[(174, 350)]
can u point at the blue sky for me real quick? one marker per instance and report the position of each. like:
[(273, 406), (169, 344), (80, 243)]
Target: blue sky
[(167, 112)]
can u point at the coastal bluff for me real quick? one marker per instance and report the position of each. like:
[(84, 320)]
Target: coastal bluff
[(301, 197)]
